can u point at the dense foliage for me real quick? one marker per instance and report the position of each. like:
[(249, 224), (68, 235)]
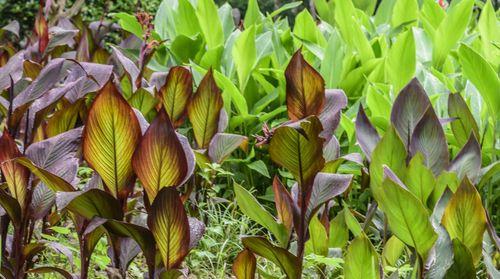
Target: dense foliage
[(358, 141)]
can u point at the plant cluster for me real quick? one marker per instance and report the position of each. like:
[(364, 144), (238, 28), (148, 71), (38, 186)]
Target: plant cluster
[(131, 145)]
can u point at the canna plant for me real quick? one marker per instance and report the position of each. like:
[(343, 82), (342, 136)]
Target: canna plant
[(299, 146)]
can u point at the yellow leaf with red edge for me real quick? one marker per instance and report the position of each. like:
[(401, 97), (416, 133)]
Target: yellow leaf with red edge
[(204, 110), (110, 137), (176, 93), (15, 174), (244, 265), (159, 160)]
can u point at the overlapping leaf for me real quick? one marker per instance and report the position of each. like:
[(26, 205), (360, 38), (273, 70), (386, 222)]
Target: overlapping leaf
[(176, 93), (15, 174)]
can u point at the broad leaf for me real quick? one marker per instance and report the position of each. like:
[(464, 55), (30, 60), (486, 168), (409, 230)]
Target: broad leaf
[(318, 238), (169, 224), (255, 211), (159, 160), (419, 179), (14, 174), (463, 265), (204, 110), (288, 263), (305, 89), (468, 160), (244, 265), (409, 107), (366, 134), (284, 203), (429, 139), (335, 101), (222, 145), (89, 204), (464, 218), (11, 206), (298, 148), (361, 260), (326, 186), (54, 182), (176, 93), (110, 137), (464, 123)]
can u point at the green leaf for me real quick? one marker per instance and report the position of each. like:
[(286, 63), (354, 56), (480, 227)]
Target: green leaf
[(210, 24), (393, 249), (318, 238), (465, 122), (245, 56), (407, 216), (176, 93), (298, 148), (260, 167), (351, 222), (463, 266), (249, 205), (11, 206), (419, 179), (488, 29), (404, 12), (482, 75), (450, 31), (253, 16), (464, 218), (401, 60), (89, 204), (130, 24), (339, 232), (288, 263), (361, 260), (244, 265)]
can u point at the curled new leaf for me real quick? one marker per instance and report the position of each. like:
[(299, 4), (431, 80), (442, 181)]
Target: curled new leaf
[(464, 218), (204, 110), (110, 137), (169, 224), (305, 89), (299, 148), (176, 93), (15, 174), (409, 107), (159, 160), (244, 265)]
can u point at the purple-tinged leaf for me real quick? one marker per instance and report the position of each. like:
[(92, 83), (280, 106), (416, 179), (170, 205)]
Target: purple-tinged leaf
[(409, 107), (11, 206), (128, 66), (366, 134), (429, 139), (196, 231), (89, 204), (335, 101), (222, 145), (326, 186), (14, 68), (468, 160), (284, 204), (331, 150), (99, 73), (60, 37), (52, 269)]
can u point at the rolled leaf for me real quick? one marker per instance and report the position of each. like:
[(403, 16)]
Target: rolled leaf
[(168, 222), (159, 160), (298, 148), (429, 139), (14, 174), (176, 93), (204, 110), (464, 218), (361, 260), (409, 107), (366, 134), (288, 263), (110, 137), (305, 88), (222, 145), (465, 122), (244, 265)]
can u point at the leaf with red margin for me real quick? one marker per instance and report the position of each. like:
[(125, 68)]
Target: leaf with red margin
[(159, 160), (409, 107), (41, 30), (169, 224), (465, 122), (204, 110), (15, 174), (429, 139), (222, 145), (288, 262), (464, 218), (244, 265), (176, 93), (110, 137), (298, 148), (366, 134), (305, 88), (284, 203)]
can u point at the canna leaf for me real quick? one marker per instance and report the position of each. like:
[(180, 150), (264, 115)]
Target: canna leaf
[(298, 148), (463, 265), (244, 265), (409, 107), (468, 160), (318, 238), (54, 182), (366, 134), (255, 211), (90, 203), (11, 207), (335, 101), (339, 232), (176, 93), (169, 224), (222, 145), (393, 249), (204, 110), (419, 179), (464, 123), (464, 218), (429, 139), (326, 186), (159, 160), (305, 89), (15, 174), (361, 260), (284, 203), (407, 216), (63, 120), (288, 263), (110, 137)]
